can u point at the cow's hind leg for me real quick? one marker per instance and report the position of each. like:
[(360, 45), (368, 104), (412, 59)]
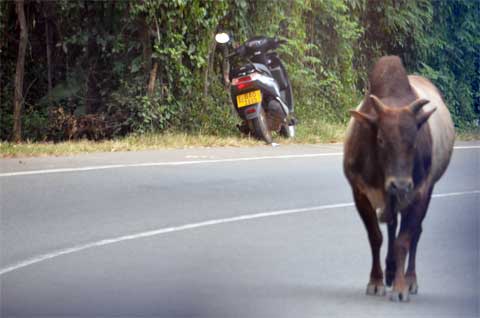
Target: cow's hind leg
[(369, 217)]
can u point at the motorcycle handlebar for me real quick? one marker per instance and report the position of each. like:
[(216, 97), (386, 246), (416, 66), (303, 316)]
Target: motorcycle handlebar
[(238, 51), (241, 50)]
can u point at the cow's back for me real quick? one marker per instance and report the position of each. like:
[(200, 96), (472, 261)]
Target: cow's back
[(440, 124)]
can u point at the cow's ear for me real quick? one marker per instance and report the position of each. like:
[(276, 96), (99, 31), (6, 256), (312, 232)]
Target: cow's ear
[(370, 120), (423, 117)]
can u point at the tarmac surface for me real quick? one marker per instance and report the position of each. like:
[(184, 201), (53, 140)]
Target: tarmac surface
[(220, 232)]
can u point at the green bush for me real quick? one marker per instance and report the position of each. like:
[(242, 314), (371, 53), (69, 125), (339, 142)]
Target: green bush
[(212, 114), (138, 112), (103, 53)]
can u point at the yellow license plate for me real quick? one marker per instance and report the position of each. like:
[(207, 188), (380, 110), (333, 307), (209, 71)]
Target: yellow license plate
[(249, 98)]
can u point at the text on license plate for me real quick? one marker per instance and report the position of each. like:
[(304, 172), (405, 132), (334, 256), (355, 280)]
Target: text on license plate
[(249, 98)]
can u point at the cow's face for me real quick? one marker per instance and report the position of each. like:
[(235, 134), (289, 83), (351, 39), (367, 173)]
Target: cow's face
[(396, 132)]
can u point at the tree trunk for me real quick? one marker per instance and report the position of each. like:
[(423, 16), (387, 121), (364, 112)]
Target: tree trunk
[(92, 102), (226, 67), (147, 44), (151, 81), (48, 38), (19, 73), (209, 68)]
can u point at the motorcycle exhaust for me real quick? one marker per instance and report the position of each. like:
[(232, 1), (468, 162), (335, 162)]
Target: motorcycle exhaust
[(291, 131)]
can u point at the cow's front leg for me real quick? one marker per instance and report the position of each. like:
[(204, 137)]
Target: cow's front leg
[(390, 267), (419, 210), (411, 275), (400, 290), (369, 217)]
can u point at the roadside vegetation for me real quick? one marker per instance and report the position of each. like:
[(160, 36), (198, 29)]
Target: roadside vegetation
[(326, 133), (306, 134), (129, 75)]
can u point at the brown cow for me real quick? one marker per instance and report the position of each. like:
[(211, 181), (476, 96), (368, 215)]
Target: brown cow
[(398, 144)]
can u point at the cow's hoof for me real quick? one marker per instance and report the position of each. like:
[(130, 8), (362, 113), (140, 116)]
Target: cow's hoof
[(412, 284), (376, 289), (413, 289), (398, 296), (389, 277)]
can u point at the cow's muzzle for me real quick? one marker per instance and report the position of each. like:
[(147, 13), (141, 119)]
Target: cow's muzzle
[(398, 186)]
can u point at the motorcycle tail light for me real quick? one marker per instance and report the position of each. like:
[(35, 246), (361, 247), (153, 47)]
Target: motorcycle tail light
[(245, 79), (244, 85)]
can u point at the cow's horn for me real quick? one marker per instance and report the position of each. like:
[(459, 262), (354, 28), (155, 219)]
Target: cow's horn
[(417, 105), (379, 106)]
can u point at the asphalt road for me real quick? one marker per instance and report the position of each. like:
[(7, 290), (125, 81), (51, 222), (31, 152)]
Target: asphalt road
[(251, 232)]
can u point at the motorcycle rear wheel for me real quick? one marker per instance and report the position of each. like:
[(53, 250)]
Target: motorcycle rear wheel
[(260, 127)]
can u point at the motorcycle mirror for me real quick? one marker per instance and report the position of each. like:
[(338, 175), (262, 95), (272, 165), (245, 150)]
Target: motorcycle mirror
[(222, 38)]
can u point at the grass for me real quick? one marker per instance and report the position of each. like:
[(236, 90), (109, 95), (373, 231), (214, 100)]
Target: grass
[(130, 143), (468, 134), (307, 133)]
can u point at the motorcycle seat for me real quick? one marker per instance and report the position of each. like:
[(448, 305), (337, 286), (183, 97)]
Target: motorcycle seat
[(262, 69)]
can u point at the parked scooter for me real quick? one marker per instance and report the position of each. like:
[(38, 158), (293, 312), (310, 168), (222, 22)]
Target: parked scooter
[(260, 89)]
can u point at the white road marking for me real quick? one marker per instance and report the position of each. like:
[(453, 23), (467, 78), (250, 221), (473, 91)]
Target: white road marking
[(191, 226), (454, 194), (180, 163), (466, 147), (167, 163)]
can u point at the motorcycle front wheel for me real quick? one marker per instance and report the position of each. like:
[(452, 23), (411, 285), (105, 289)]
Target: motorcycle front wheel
[(260, 127)]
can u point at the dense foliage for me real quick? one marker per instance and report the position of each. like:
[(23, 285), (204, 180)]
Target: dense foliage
[(102, 69)]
